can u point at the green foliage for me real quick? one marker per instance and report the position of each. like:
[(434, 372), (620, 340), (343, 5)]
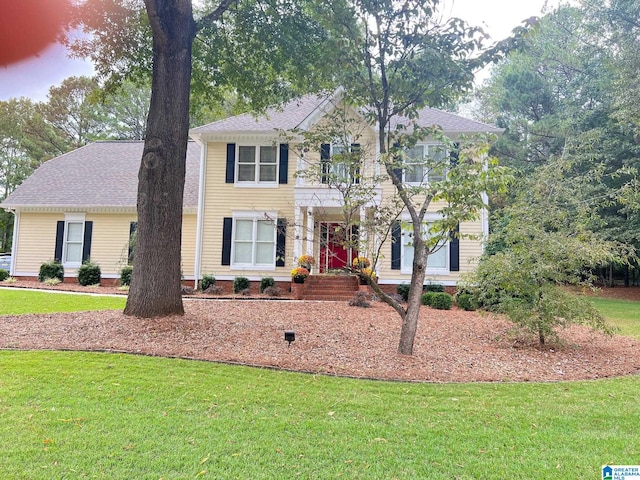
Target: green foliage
[(3, 274), (51, 269), (266, 282), (442, 301), (434, 287), (427, 298), (89, 273), (403, 290), (240, 284), (466, 301), (125, 275), (207, 281)]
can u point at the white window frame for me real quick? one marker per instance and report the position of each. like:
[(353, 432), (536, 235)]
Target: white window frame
[(340, 174), (257, 166), (406, 233), (72, 218), (255, 217), (426, 176)]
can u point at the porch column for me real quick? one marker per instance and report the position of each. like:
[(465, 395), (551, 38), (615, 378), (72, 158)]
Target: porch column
[(298, 234), (309, 232)]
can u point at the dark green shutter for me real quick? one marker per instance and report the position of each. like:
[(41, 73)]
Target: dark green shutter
[(355, 149), (454, 250), (227, 226), (86, 244), (281, 241), (57, 256), (231, 163), (133, 226), (283, 173), (325, 162), (454, 155), (396, 245)]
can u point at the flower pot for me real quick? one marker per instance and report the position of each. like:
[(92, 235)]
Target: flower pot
[(298, 279)]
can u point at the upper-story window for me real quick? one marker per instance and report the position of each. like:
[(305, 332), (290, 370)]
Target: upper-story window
[(425, 164), (257, 164), (340, 163)]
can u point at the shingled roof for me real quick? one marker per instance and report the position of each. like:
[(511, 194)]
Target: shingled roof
[(98, 175), (293, 115)]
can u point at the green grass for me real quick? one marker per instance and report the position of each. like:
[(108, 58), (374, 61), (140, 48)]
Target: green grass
[(624, 314), (89, 415), (14, 301)]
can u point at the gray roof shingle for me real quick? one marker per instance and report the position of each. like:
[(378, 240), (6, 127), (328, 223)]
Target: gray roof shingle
[(100, 174)]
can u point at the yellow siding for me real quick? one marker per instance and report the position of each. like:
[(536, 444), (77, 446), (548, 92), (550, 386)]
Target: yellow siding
[(222, 199), (36, 241), (109, 242)]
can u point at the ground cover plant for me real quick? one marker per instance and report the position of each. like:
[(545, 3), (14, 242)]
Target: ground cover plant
[(19, 301), (91, 415)]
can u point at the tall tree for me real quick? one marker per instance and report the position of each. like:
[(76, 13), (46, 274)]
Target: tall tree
[(265, 71), (397, 58)]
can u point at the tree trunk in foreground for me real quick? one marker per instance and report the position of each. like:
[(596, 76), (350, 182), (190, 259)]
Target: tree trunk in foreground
[(414, 301), (155, 284)]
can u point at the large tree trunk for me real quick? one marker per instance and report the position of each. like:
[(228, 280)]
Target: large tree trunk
[(155, 284), (414, 301)]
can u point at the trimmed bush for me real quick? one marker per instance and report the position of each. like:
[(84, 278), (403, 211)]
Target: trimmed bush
[(3, 274), (360, 299), (89, 273), (266, 282), (125, 275), (272, 291), (428, 297), (467, 301), (240, 284), (403, 289), (207, 281), (51, 269), (441, 301), (434, 287)]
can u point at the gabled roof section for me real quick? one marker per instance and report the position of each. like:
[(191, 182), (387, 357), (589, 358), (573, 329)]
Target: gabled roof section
[(100, 174), (449, 122), (292, 115)]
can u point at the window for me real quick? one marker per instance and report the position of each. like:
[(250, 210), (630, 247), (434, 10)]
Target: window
[(436, 262), (254, 242), (341, 162), (425, 162), (73, 242), (257, 164)]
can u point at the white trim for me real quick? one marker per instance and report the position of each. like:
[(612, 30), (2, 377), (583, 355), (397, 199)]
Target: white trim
[(256, 182), (255, 217), (200, 211), (72, 218), (14, 244), (328, 104)]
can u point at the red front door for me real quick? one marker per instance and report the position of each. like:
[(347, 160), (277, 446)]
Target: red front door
[(335, 253)]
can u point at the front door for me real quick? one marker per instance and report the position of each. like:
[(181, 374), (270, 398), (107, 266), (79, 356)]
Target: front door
[(335, 253)]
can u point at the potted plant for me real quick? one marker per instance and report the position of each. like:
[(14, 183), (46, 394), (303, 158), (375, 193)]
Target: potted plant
[(299, 274), (306, 261)]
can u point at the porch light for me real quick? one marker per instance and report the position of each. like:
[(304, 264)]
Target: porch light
[(289, 336)]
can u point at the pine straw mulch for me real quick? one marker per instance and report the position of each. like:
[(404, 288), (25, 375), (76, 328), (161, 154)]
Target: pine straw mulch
[(335, 339)]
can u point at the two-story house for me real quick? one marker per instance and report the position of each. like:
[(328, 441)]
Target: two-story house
[(249, 210)]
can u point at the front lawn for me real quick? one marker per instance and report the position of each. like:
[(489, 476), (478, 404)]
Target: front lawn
[(624, 314), (17, 301), (90, 415)]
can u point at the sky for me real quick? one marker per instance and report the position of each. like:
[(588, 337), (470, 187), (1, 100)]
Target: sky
[(32, 78)]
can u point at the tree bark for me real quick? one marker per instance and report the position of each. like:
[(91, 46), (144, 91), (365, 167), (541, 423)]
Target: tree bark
[(156, 279), (414, 300)]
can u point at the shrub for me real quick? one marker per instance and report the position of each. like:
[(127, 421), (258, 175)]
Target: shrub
[(214, 290), (467, 301), (403, 289), (245, 292), (11, 280), (266, 282), (125, 275), (52, 281), (441, 301), (51, 269), (240, 284), (360, 299), (207, 281), (89, 273), (272, 291), (428, 297), (434, 287), (3, 274), (185, 290)]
